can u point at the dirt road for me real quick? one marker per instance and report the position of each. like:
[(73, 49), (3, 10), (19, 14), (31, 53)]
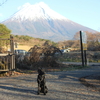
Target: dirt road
[(62, 86)]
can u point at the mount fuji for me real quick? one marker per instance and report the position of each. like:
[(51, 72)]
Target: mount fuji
[(40, 21)]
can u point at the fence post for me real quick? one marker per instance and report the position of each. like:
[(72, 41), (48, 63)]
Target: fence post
[(12, 51), (85, 58)]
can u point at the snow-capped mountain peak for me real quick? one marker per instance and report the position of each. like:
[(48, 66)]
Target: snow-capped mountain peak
[(35, 12), (40, 21)]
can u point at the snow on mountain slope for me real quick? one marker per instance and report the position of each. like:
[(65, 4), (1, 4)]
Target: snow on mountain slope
[(40, 21), (35, 12)]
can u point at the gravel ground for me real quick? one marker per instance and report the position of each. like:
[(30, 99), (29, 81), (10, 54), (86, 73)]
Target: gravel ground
[(62, 86)]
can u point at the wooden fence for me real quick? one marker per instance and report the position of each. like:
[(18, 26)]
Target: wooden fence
[(8, 59)]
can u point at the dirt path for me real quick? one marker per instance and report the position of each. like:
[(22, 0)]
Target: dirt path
[(62, 86)]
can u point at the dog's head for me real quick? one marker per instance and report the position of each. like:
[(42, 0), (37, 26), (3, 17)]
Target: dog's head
[(40, 71)]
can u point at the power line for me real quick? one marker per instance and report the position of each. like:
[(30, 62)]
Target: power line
[(4, 1)]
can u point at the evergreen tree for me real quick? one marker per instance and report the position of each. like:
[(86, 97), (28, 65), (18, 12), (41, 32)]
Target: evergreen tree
[(4, 31)]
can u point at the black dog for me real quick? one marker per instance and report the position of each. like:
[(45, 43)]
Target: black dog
[(41, 82)]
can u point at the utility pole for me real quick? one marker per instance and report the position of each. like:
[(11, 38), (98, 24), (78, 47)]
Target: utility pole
[(82, 53)]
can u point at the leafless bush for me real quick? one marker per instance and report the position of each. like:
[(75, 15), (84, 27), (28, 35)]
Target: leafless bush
[(44, 56)]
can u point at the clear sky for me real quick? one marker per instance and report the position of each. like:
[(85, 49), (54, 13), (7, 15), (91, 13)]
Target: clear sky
[(84, 12)]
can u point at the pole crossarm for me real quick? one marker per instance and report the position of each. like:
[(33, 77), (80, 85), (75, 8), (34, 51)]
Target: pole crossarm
[(5, 39)]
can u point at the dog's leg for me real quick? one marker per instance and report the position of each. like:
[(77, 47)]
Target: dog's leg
[(38, 89), (44, 89)]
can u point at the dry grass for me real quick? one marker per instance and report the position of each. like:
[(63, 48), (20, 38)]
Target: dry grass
[(23, 47)]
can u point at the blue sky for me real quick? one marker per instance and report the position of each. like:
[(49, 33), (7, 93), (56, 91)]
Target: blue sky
[(84, 12)]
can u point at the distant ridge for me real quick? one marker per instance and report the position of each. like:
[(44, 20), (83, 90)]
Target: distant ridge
[(40, 21)]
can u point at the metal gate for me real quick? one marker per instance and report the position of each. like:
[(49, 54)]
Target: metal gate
[(7, 58)]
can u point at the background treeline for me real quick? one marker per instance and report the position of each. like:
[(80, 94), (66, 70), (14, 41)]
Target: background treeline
[(28, 40), (93, 40), (22, 39)]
